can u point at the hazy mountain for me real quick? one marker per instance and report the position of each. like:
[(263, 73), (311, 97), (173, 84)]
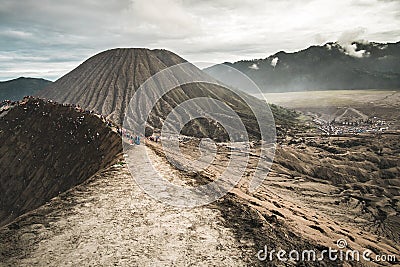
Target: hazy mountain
[(16, 89), (331, 66), (106, 82)]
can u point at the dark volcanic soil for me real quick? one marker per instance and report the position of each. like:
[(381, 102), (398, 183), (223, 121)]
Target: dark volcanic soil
[(45, 149)]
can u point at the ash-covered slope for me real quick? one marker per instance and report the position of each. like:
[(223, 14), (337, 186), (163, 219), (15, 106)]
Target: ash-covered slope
[(331, 66), (45, 149), (106, 82)]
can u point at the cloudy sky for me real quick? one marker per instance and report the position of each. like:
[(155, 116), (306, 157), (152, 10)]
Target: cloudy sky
[(48, 38)]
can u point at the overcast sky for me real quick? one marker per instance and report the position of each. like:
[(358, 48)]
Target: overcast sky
[(48, 38)]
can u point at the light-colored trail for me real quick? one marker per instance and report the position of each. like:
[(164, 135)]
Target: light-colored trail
[(110, 221)]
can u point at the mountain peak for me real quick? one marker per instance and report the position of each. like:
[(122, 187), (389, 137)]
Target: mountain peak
[(106, 83), (334, 65)]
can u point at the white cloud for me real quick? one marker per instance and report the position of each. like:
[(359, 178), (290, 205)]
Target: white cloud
[(351, 50), (274, 62), (16, 34), (346, 42), (254, 66)]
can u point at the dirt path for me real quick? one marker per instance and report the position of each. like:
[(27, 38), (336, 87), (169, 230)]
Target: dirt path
[(110, 222)]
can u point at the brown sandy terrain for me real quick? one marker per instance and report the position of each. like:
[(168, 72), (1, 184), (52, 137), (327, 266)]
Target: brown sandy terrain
[(45, 149), (325, 189), (109, 220)]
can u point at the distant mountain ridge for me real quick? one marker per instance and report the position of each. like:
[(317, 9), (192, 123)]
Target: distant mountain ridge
[(357, 65), (16, 89)]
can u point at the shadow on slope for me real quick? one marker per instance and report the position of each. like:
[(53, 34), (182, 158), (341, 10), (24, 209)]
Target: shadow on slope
[(46, 149)]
